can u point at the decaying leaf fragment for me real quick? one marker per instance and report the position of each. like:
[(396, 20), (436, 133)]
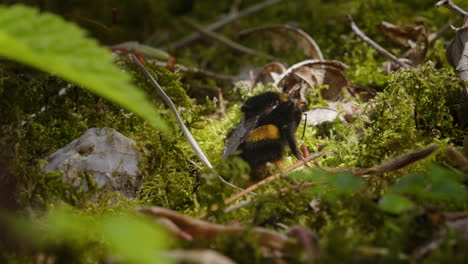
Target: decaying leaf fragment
[(299, 80), (269, 73), (312, 74), (457, 52), (414, 38), (286, 37), (273, 244)]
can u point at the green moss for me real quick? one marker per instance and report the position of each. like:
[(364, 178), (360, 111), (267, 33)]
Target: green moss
[(413, 109)]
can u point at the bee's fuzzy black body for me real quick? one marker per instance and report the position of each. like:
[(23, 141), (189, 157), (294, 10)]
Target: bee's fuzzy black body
[(269, 124)]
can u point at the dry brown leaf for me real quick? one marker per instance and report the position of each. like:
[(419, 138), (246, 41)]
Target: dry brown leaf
[(457, 53), (298, 80), (414, 38), (271, 242), (269, 73), (314, 74), (286, 37), (309, 241), (202, 230)]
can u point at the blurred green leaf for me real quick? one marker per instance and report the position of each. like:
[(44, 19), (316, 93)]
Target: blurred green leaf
[(132, 238), (413, 183), (136, 240), (438, 172), (329, 184), (395, 203), (51, 44), (448, 189), (312, 175), (65, 225), (437, 183), (345, 182)]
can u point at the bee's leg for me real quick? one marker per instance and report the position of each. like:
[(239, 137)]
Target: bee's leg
[(289, 132), (279, 165), (304, 153)]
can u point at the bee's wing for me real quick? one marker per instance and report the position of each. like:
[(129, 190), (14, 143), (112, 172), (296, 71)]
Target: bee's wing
[(239, 134)]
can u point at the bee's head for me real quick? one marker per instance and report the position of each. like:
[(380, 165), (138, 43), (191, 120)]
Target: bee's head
[(263, 102)]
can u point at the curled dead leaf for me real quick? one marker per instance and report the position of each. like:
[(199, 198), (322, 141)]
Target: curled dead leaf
[(312, 74), (271, 242), (269, 73), (286, 37), (414, 38), (457, 53), (309, 241), (202, 230)]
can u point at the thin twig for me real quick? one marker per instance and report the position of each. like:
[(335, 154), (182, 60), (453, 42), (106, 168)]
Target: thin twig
[(142, 49), (436, 35), (225, 40), (171, 106), (237, 206), (226, 20), (193, 143), (183, 68), (222, 108), (458, 158), (376, 46), (273, 177), (247, 202), (392, 165), (450, 5)]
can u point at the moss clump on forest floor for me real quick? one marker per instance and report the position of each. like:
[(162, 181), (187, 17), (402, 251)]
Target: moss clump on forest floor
[(33, 134), (412, 110), (410, 105)]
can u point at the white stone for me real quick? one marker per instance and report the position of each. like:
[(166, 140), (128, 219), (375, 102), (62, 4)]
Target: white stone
[(105, 154)]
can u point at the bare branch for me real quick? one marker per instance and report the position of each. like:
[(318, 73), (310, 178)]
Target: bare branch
[(225, 40), (450, 5), (436, 35), (397, 163), (193, 143), (376, 46), (458, 158), (183, 68), (392, 165), (283, 190), (226, 20), (273, 177)]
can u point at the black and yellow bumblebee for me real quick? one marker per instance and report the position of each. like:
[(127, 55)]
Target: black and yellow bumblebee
[(268, 125)]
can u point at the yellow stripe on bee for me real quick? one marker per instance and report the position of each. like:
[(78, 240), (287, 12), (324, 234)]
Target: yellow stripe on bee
[(283, 98), (263, 133)]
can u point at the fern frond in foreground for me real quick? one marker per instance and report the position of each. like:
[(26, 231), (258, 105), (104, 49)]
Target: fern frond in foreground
[(47, 42)]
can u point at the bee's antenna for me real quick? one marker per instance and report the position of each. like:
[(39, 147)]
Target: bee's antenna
[(305, 124)]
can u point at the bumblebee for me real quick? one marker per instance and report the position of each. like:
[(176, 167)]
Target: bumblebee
[(268, 125)]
